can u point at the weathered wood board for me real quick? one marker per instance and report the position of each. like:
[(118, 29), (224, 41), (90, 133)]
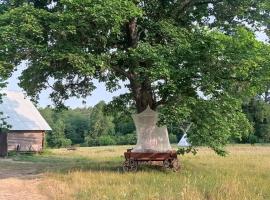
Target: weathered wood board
[(25, 140)]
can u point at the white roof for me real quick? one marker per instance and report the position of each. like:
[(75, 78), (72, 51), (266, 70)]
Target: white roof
[(21, 114)]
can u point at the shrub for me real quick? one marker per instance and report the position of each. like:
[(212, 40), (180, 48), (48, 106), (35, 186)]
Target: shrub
[(173, 138), (121, 140), (65, 142), (111, 140), (131, 138), (126, 139), (253, 139), (89, 141), (57, 141), (106, 140)]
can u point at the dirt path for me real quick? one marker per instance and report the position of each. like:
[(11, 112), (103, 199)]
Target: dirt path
[(18, 181), (14, 188)]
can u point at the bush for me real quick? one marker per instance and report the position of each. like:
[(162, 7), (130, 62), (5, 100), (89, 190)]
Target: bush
[(106, 140), (89, 141), (127, 139), (131, 138), (57, 141), (121, 140), (173, 138), (65, 142), (253, 139)]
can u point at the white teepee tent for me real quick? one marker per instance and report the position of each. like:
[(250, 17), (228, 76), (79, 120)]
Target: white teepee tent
[(184, 140)]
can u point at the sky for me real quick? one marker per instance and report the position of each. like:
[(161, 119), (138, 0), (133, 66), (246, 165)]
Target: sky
[(100, 94)]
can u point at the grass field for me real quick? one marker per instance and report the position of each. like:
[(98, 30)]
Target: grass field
[(96, 173)]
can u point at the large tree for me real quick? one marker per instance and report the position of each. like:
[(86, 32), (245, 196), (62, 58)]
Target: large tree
[(194, 60)]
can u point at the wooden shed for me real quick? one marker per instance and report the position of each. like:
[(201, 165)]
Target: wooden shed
[(27, 132)]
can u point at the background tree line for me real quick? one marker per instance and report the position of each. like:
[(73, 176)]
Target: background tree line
[(257, 111), (91, 126)]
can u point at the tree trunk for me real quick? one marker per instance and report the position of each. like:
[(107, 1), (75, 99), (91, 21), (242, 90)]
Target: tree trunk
[(143, 95), (139, 84), (3, 144)]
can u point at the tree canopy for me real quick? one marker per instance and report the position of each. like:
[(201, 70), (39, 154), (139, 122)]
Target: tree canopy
[(193, 60)]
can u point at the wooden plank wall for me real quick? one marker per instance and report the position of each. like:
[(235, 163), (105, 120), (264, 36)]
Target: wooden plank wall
[(27, 140)]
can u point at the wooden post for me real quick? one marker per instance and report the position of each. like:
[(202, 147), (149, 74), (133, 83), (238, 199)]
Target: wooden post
[(3, 144), (43, 140)]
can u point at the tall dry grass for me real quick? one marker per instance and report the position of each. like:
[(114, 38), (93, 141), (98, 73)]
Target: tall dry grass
[(95, 173)]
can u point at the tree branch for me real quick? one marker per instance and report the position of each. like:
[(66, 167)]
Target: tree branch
[(184, 5), (132, 33), (122, 72), (201, 2)]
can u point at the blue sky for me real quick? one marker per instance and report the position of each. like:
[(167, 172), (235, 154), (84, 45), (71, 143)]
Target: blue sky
[(98, 95)]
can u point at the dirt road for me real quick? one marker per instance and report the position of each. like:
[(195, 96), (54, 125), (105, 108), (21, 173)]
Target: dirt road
[(18, 180)]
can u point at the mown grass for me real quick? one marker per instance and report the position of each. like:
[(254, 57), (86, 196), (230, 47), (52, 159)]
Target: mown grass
[(96, 173)]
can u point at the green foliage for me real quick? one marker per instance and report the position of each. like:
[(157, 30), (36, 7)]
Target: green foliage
[(183, 151), (89, 141), (258, 113), (5, 70), (56, 138), (195, 61), (100, 123), (88, 127), (253, 139), (105, 140), (173, 139), (129, 138), (77, 124), (122, 120)]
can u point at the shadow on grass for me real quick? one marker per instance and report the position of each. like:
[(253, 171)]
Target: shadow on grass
[(27, 166)]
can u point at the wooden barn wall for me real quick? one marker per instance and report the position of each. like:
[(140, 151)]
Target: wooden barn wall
[(27, 140)]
